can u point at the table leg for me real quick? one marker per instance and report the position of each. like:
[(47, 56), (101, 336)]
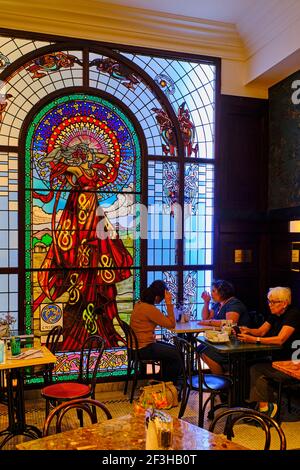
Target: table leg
[(16, 410)]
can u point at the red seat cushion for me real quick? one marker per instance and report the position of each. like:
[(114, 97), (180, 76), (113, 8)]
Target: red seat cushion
[(67, 390)]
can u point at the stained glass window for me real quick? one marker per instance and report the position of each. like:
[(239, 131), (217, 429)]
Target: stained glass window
[(106, 184)]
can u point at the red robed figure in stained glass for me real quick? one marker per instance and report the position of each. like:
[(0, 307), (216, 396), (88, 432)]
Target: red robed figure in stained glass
[(91, 265)]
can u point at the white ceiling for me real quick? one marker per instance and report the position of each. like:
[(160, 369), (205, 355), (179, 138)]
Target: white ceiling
[(228, 11), (257, 40)]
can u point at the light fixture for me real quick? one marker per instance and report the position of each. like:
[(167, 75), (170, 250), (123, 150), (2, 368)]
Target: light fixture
[(294, 226)]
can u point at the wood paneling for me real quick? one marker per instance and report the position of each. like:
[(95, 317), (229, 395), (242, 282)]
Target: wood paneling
[(241, 196)]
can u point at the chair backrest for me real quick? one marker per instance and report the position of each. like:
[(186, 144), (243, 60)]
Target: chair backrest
[(90, 356), (107, 328), (240, 414), (190, 359), (131, 339), (84, 404), (51, 343), (53, 338)]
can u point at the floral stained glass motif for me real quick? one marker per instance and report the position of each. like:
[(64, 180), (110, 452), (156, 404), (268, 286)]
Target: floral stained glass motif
[(4, 61), (194, 84), (187, 129), (83, 151), (194, 283), (165, 83)]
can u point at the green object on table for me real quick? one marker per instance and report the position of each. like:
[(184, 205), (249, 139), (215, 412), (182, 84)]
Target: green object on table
[(15, 345)]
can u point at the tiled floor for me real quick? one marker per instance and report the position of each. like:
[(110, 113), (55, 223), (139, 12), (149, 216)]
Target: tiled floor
[(118, 404)]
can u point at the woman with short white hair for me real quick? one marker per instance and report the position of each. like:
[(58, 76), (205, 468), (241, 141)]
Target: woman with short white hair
[(282, 327)]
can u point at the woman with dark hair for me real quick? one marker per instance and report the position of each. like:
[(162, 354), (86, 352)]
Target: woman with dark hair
[(145, 318), (225, 306)]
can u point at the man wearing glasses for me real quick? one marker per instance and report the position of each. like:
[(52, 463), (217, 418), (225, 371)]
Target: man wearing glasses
[(282, 327)]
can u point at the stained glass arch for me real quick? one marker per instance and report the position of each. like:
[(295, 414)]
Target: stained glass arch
[(165, 114)]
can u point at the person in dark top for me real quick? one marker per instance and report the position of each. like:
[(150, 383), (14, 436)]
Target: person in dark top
[(282, 327), (225, 306)]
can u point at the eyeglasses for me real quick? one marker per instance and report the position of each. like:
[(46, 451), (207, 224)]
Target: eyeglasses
[(272, 302)]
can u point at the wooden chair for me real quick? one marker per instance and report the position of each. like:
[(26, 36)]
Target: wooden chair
[(134, 363), (235, 415), (83, 404), (51, 343), (195, 378), (84, 387), (107, 329)]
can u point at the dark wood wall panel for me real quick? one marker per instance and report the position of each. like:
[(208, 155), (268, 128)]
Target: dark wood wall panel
[(241, 197), (280, 251)]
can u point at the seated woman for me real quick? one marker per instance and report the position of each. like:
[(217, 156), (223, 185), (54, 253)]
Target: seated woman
[(225, 306), (145, 318), (282, 327)]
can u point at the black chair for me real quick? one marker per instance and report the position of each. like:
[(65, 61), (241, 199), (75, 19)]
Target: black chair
[(285, 385), (52, 340), (83, 404), (107, 328), (84, 387), (135, 365), (235, 415), (195, 378)]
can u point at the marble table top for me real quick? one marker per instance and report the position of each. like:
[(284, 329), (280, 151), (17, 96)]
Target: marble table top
[(128, 433)]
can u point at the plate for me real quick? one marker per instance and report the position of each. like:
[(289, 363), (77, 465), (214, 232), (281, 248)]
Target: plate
[(218, 341), (217, 338)]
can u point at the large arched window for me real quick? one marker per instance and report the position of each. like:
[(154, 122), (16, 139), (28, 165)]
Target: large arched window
[(107, 182)]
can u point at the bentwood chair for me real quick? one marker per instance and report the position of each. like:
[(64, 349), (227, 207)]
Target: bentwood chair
[(52, 340), (83, 404), (107, 328), (195, 378), (84, 387), (135, 365), (237, 415)]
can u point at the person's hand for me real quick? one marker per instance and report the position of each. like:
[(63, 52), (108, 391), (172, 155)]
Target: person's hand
[(243, 338), (206, 296), (244, 329), (168, 297)]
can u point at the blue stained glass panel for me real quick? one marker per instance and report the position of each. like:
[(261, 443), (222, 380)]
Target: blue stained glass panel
[(194, 283), (198, 226), (164, 217)]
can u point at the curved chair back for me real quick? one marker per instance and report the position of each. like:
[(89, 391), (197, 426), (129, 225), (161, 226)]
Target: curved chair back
[(51, 343), (133, 358), (53, 338), (236, 415), (86, 405), (195, 378), (190, 359), (90, 357), (107, 328), (131, 339)]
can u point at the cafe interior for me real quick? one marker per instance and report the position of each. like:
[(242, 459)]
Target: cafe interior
[(142, 141)]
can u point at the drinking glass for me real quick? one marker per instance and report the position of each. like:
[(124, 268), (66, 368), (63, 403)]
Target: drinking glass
[(165, 434), (15, 345)]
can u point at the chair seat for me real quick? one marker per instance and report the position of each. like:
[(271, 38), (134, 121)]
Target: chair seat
[(212, 382), (66, 391)]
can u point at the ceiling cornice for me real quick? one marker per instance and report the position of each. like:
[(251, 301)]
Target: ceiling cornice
[(118, 24), (265, 22)]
